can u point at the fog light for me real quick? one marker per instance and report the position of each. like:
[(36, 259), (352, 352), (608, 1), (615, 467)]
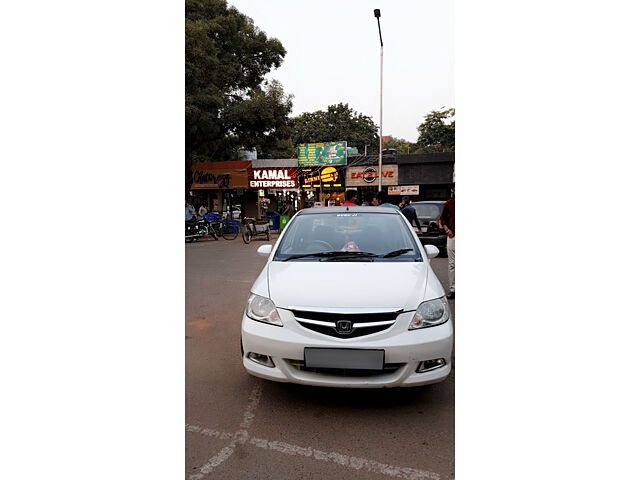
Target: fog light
[(261, 359), (429, 365)]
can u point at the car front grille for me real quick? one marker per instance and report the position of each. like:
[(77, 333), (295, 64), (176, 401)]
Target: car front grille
[(362, 324), (388, 368)]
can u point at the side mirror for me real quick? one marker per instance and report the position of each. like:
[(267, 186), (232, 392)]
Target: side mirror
[(265, 250), (432, 251)]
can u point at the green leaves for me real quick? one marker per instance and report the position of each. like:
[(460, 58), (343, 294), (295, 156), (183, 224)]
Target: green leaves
[(438, 131), (338, 123), (226, 59)]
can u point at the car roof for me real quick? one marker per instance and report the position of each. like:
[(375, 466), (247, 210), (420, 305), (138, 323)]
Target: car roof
[(430, 201), (345, 209)]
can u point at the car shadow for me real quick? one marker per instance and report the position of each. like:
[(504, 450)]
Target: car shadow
[(357, 399)]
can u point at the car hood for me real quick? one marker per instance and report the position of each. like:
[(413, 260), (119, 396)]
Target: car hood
[(393, 285)]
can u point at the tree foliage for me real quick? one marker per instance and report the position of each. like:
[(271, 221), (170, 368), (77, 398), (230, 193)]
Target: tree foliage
[(403, 146), (227, 103), (337, 123), (438, 131)]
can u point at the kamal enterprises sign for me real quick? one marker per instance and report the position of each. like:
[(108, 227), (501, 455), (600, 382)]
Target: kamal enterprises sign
[(273, 177), (325, 153)]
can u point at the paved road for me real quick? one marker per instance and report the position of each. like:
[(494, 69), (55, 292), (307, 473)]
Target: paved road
[(242, 427)]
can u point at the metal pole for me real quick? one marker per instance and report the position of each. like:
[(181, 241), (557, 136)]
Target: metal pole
[(376, 13), (380, 153)]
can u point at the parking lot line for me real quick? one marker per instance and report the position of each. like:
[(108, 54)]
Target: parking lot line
[(240, 436), (348, 461)]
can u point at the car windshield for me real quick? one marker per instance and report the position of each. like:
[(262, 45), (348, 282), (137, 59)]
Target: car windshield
[(431, 211), (340, 236)]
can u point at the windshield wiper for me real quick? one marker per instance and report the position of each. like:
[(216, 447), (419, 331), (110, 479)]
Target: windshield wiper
[(336, 254), (395, 253)]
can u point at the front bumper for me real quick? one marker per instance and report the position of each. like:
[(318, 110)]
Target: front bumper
[(404, 350)]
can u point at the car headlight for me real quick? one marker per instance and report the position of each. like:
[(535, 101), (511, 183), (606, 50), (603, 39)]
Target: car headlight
[(430, 313), (262, 309)]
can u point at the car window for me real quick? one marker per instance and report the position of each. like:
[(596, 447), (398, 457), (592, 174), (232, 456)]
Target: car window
[(376, 233), (432, 211)]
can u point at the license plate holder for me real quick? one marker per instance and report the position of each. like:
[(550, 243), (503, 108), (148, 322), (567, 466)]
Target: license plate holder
[(346, 358)]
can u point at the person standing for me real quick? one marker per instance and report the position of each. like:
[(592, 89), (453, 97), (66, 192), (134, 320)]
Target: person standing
[(288, 209), (447, 223), (352, 198), (410, 212), (381, 201), (189, 211), (368, 200)]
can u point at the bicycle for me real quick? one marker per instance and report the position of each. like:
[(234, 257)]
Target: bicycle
[(251, 228), (229, 229)]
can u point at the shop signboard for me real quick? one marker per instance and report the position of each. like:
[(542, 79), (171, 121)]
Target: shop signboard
[(324, 153), (405, 190), (220, 175), (327, 176), (352, 150), (365, 176), (273, 178)]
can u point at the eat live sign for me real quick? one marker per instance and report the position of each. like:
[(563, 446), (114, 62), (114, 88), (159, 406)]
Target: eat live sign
[(370, 174)]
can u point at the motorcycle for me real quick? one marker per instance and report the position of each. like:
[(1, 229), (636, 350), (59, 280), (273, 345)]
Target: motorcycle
[(198, 228)]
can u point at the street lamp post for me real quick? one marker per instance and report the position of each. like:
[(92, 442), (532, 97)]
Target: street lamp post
[(376, 13)]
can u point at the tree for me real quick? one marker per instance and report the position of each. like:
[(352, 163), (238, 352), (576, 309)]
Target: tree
[(338, 123), (438, 131), (227, 104), (402, 146)]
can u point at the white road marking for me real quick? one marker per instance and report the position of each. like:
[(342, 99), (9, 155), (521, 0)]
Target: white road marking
[(240, 436), (209, 432), (254, 401), (348, 461)]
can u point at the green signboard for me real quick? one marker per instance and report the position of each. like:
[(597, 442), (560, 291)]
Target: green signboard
[(326, 153)]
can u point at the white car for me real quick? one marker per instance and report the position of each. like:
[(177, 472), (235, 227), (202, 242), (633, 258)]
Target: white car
[(348, 298)]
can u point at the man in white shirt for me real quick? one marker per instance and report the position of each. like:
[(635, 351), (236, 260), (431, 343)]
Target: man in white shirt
[(189, 212)]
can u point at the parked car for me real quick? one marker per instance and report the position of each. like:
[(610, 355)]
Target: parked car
[(429, 212), (347, 298)]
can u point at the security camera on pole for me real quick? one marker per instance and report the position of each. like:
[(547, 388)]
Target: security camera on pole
[(376, 13)]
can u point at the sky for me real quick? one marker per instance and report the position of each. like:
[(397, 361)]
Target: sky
[(333, 56)]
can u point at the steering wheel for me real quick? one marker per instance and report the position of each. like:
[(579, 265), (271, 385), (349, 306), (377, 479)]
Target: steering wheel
[(324, 245)]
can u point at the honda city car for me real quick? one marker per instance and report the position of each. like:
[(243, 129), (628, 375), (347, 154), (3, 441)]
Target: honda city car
[(348, 298)]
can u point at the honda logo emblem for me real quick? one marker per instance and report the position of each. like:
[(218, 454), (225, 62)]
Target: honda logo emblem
[(344, 327)]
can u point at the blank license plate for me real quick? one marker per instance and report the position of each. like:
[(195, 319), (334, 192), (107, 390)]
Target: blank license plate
[(344, 358)]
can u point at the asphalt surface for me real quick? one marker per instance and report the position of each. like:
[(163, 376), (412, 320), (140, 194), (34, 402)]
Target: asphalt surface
[(243, 427)]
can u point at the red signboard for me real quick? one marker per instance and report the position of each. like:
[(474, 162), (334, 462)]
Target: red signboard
[(273, 177)]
